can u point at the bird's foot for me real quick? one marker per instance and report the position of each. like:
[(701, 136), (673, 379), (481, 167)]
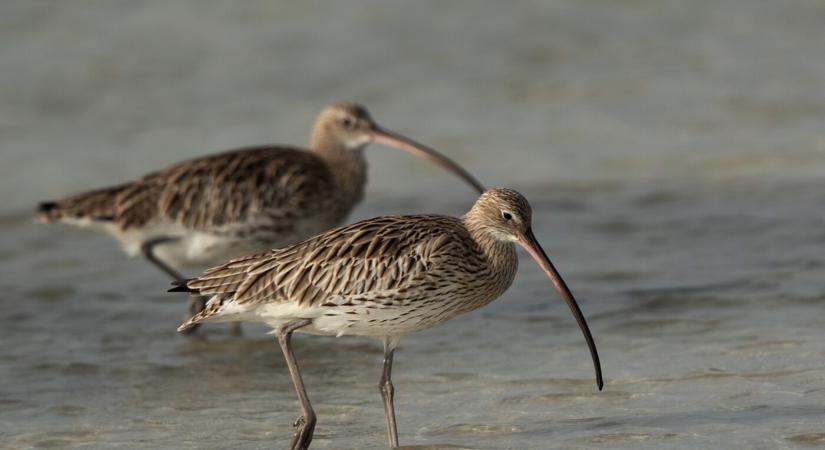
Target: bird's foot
[(304, 428)]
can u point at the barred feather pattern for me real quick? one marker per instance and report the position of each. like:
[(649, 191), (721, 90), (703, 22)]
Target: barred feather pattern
[(425, 269), (269, 188), (92, 205)]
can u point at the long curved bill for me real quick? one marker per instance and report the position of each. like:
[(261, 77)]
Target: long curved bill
[(391, 139), (529, 242)]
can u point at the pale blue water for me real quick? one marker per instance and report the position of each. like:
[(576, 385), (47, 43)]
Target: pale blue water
[(673, 151)]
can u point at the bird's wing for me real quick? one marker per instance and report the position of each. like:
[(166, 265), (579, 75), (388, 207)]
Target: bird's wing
[(215, 191), (376, 259)]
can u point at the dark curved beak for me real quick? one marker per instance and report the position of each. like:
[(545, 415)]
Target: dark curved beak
[(391, 139), (529, 242)]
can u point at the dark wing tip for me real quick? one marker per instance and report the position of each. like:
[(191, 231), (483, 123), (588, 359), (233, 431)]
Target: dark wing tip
[(45, 207), (182, 286), (51, 211)]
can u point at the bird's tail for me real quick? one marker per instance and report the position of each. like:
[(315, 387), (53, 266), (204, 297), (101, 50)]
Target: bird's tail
[(48, 212), (98, 205), (183, 286), (211, 308)]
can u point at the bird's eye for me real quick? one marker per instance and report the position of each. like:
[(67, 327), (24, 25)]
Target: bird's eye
[(348, 122), (506, 215)]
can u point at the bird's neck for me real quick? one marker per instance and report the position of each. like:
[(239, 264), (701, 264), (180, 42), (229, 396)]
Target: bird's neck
[(348, 168), (500, 255)]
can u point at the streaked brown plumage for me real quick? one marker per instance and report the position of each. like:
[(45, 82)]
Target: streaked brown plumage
[(381, 277), (214, 192), (209, 209)]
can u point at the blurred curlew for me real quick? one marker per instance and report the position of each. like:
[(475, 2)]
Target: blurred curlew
[(381, 277), (206, 210)]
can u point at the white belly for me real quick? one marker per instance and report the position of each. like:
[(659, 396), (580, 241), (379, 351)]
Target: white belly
[(188, 248), (356, 320)]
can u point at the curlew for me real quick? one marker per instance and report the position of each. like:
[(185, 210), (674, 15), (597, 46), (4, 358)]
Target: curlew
[(381, 277), (206, 210)]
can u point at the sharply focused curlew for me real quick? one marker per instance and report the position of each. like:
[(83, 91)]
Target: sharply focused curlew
[(207, 210), (382, 277)]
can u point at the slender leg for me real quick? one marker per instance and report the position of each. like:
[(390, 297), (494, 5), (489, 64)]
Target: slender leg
[(388, 393), (305, 424), (148, 250)]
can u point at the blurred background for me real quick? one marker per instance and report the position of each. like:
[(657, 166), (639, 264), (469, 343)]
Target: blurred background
[(673, 151)]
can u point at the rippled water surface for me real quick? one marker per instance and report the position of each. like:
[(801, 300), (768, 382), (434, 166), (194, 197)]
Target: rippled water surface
[(673, 152)]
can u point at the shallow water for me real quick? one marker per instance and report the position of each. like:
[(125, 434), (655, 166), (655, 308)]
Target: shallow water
[(673, 153)]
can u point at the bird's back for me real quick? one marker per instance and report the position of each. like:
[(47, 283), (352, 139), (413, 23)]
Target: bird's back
[(267, 195), (413, 265)]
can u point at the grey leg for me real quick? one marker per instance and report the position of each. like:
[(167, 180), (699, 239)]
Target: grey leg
[(388, 394), (196, 302), (305, 424), (148, 250)]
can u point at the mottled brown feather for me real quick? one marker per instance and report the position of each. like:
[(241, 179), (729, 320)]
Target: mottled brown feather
[(94, 205), (366, 258), (278, 185)]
